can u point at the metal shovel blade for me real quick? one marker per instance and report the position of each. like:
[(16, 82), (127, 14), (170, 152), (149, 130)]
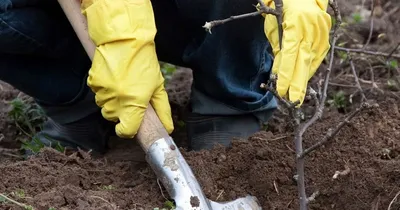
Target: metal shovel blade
[(177, 177), (248, 202)]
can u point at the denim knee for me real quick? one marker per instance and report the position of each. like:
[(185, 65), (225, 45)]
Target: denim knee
[(8, 4), (230, 63), (35, 27), (40, 53)]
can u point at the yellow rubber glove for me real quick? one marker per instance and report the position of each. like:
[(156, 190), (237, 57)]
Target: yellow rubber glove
[(125, 73), (305, 43)]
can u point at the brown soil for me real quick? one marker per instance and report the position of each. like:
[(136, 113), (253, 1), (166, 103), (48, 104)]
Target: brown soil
[(264, 166)]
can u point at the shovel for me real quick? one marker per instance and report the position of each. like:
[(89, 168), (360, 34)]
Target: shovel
[(161, 152)]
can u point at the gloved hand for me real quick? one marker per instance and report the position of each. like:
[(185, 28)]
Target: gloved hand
[(305, 43), (125, 73)]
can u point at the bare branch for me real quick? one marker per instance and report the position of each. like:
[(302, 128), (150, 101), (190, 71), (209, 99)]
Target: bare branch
[(209, 25), (333, 4), (261, 10), (388, 55), (24, 206), (267, 10), (393, 200), (328, 70), (394, 50), (353, 69), (279, 18), (332, 132), (321, 105), (371, 24), (288, 104)]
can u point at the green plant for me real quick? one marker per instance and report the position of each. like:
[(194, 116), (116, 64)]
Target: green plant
[(342, 55), (338, 100), (107, 187), (27, 116), (393, 64), (167, 70), (35, 145), (180, 123), (169, 205), (357, 17), (20, 193), (5, 199)]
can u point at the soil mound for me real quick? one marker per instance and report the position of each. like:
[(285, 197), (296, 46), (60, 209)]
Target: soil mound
[(263, 166)]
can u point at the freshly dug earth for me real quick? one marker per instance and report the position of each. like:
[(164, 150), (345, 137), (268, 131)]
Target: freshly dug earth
[(263, 167)]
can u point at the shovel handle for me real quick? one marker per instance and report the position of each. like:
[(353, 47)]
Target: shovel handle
[(151, 128), (72, 10)]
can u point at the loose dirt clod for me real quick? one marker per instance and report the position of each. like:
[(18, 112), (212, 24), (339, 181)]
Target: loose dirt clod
[(194, 201)]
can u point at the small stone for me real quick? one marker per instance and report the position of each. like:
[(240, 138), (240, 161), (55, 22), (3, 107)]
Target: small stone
[(221, 158)]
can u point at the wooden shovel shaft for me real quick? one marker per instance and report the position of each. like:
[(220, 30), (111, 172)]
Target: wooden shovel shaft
[(151, 128), (72, 10)]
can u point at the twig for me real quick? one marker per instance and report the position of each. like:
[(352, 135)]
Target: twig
[(288, 104), (219, 195), (261, 10), (371, 24), (6, 153), (269, 10), (22, 130), (301, 186), (342, 85), (359, 79), (368, 52), (279, 18), (98, 197), (393, 200), (394, 50), (278, 138), (209, 25), (16, 202), (161, 189), (321, 104), (376, 205), (328, 70), (341, 173), (371, 71), (353, 69), (332, 132), (333, 4), (276, 187)]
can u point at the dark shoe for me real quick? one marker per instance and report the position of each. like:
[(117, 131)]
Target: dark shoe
[(79, 125), (89, 133), (204, 132)]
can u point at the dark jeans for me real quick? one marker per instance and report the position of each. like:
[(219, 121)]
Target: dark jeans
[(41, 56)]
